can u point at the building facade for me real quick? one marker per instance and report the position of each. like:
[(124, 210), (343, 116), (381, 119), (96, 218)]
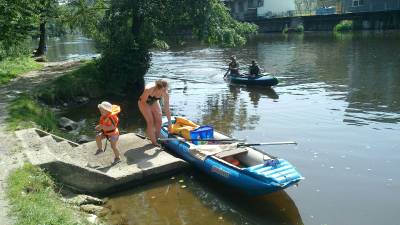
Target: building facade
[(354, 6), (276, 8), (243, 9)]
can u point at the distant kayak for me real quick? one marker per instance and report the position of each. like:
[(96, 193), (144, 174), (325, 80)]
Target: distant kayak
[(260, 80)]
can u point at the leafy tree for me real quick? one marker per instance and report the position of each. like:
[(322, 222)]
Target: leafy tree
[(18, 20), (45, 9), (128, 29)]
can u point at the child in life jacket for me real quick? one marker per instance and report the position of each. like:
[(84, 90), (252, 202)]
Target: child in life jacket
[(108, 128)]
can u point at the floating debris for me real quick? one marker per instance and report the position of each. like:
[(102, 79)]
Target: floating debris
[(183, 186), (172, 178), (220, 218), (181, 181)]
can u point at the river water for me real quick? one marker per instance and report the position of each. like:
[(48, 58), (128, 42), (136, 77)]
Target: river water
[(338, 97)]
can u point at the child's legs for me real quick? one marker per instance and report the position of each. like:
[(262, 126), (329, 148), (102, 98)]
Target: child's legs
[(99, 137), (114, 147)]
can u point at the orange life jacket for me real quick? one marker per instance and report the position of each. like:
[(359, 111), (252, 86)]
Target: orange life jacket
[(111, 119)]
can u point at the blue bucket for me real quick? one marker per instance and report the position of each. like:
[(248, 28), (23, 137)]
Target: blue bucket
[(202, 132)]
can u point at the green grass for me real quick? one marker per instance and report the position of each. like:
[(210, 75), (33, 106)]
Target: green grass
[(10, 68), (344, 26), (81, 82), (26, 112), (34, 201)]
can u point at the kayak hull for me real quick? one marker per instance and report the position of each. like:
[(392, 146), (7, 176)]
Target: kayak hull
[(265, 80), (251, 180)]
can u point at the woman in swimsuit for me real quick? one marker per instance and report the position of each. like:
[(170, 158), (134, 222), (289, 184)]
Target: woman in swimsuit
[(150, 108)]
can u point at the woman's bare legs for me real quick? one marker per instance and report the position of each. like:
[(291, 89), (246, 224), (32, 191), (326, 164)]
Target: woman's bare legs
[(148, 116), (157, 116)]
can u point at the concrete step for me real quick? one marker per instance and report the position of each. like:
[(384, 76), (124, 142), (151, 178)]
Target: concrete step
[(80, 168), (61, 147), (30, 139), (41, 157)]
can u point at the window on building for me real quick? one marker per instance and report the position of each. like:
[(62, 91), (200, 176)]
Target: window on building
[(260, 3), (358, 2)]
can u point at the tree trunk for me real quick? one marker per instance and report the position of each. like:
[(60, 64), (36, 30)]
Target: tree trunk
[(42, 40)]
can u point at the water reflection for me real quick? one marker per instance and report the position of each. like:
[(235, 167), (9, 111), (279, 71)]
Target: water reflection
[(337, 97), (228, 112), (69, 47), (202, 202), (255, 92)]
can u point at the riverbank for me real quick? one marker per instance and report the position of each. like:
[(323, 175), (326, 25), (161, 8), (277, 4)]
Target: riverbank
[(11, 68), (11, 151), (386, 20), (34, 199)]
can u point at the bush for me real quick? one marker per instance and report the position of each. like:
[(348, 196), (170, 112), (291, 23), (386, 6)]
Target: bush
[(344, 26), (300, 28)]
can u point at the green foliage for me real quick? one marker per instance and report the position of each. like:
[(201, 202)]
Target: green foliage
[(220, 28), (344, 26), (34, 201), (12, 67), (300, 28), (85, 81), (18, 20), (25, 112), (85, 15), (129, 29)]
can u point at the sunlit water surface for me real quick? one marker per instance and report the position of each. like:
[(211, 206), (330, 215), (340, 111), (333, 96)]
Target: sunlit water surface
[(338, 97)]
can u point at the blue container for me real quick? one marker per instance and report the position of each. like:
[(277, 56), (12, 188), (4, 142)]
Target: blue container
[(202, 132)]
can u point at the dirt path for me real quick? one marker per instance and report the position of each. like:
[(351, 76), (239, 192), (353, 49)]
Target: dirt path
[(10, 150)]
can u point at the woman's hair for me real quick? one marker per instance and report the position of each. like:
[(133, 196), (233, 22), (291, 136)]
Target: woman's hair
[(161, 84)]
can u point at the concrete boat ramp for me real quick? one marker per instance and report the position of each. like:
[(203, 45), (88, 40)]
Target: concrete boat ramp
[(77, 167)]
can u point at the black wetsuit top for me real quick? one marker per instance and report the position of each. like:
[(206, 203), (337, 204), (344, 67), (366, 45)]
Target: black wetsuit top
[(151, 100)]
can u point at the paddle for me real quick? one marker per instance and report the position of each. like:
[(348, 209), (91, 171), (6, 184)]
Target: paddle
[(267, 143), (215, 140)]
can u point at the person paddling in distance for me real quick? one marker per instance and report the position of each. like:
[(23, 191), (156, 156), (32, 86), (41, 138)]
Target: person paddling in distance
[(150, 108), (233, 69), (254, 69), (108, 128)]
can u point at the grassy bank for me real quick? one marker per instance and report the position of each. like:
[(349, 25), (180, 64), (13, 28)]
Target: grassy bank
[(81, 82), (34, 200), (12, 67), (26, 112)]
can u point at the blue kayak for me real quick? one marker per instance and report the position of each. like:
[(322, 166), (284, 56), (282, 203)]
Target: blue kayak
[(245, 168), (261, 80)]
